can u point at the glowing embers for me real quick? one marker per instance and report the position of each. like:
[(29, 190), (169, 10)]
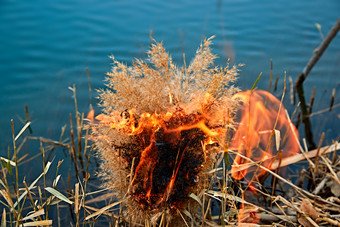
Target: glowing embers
[(168, 168), (169, 151), (264, 134)]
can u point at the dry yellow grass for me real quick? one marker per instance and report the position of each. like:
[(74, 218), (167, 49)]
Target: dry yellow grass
[(161, 131)]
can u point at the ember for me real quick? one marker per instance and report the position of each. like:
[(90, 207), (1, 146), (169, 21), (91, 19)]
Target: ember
[(169, 165), (170, 151)]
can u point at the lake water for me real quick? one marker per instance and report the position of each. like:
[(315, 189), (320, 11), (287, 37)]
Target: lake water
[(46, 46)]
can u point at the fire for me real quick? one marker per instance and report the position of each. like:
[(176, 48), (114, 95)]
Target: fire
[(162, 128), (171, 148), (170, 154), (264, 133)]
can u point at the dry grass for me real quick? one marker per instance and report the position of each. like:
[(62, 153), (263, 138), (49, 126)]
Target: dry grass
[(156, 102), (148, 86)]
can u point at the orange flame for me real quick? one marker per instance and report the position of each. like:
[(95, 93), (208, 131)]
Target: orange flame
[(177, 134), (171, 147), (263, 133)]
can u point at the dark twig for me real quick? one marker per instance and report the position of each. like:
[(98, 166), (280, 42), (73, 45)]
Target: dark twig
[(299, 83), (270, 80), (317, 53), (332, 100), (271, 75), (73, 147), (275, 84), (305, 117), (311, 102), (27, 118)]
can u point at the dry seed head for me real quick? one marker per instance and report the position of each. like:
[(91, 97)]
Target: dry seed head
[(161, 130)]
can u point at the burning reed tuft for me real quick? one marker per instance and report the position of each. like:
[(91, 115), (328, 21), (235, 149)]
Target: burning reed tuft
[(161, 130)]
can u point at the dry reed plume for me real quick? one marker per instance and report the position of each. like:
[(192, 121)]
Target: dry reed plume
[(161, 130)]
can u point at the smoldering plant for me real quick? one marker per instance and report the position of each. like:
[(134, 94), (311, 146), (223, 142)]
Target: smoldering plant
[(161, 130)]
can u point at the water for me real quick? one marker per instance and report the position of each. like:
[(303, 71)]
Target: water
[(46, 46)]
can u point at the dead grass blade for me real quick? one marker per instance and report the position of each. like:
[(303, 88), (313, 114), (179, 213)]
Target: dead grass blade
[(48, 141), (3, 219), (22, 130), (35, 214), (38, 223), (55, 181), (102, 210), (100, 198), (294, 159), (8, 198), (58, 195), (223, 195), (76, 198), (180, 213), (33, 184), (8, 161), (330, 221), (195, 197)]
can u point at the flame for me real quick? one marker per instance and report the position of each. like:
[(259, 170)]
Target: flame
[(171, 147), (90, 115), (171, 152), (264, 133)]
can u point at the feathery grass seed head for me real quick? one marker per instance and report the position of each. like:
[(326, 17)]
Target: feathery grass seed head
[(161, 130)]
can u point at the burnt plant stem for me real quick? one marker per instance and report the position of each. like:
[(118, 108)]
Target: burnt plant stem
[(312, 100), (275, 84), (332, 100), (305, 118), (28, 118), (16, 184), (79, 123), (73, 147)]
